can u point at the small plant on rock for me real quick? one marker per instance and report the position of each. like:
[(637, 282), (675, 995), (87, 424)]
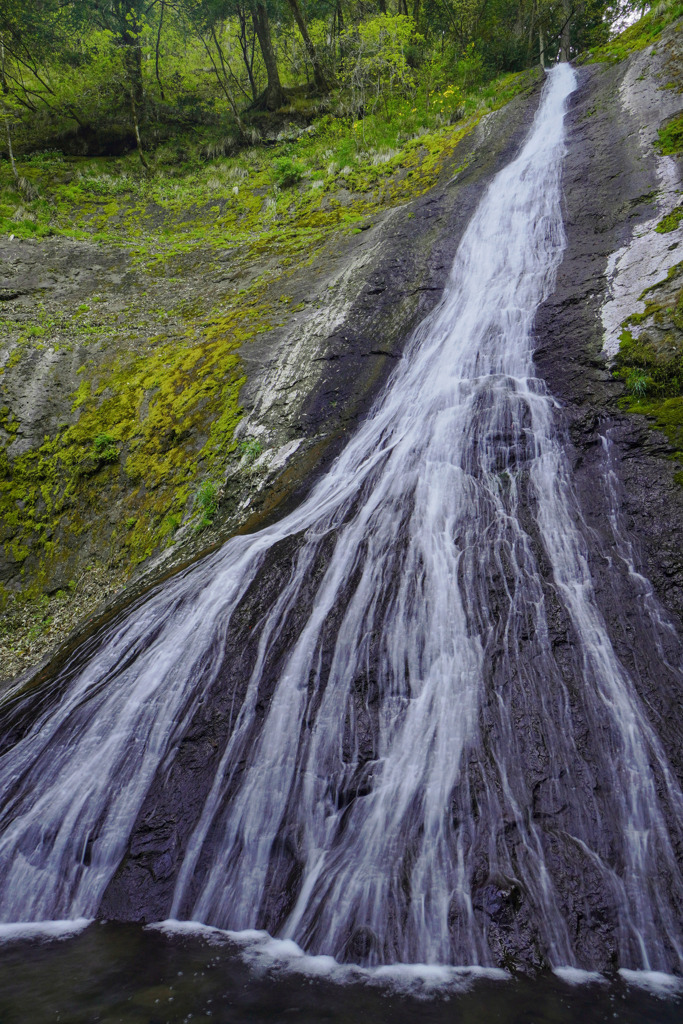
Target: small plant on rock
[(251, 449), (206, 502), (104, 448), (637, 383)]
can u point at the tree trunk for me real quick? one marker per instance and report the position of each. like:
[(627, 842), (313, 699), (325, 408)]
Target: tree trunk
[(3, 79), (132, 56), (541, 47), (11, 151), (340, 29), (156, 61), (222, 79), (565, 35), (321, 82), (247, 49), (274, 95), (136, 127)]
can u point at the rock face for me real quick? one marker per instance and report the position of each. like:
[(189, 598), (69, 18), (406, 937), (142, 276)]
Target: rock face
[(624, 480), (294, 389), (616, 190), (308, 384)]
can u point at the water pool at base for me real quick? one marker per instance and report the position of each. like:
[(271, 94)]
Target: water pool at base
[(111, 973)]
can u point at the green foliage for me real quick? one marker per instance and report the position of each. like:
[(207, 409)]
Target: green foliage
[(375, 63), (134, 73), (206, 504), (637, 382), (105, 449), (470, 71), (250, 449), (287, 171), (671, 221), (670, 138), (637, 36)]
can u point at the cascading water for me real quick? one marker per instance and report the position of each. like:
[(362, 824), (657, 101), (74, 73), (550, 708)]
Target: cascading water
[(423, 770)]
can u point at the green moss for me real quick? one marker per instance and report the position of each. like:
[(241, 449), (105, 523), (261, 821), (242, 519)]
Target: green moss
[(667, 416), (653, 373), (148, 423), (670, 137), (636, 36), (671, 221)]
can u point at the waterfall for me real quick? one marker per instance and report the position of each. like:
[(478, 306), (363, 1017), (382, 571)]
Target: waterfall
[(410, 767)]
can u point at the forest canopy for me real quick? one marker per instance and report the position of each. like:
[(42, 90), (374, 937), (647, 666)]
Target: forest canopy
[(102, 74)]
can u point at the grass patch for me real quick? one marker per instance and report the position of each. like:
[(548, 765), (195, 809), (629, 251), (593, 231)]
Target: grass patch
[(206, 504), (637, 36), (670, 137), (671, 221)]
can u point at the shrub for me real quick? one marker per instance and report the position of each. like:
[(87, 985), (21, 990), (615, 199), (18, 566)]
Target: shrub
[(287, 172)]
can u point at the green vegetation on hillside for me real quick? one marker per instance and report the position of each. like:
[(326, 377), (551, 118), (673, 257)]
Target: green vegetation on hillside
[(188, 385), (96, 77), (650, 361), (637, 36)]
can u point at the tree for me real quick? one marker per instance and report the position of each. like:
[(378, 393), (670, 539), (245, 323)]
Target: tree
[(375, 61), (35, 37), (206, 18), (323, 84), (206, 15), (125, 19), (274, 94)]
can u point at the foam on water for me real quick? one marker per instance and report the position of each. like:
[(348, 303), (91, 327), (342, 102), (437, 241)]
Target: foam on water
[(658, 983), (22, 930), (262, 952), (574, 976)]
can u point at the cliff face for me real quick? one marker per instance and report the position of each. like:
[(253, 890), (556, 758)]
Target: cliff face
[(130, 375), (618, 192)]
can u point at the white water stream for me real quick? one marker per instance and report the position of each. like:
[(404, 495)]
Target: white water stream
[(386, 781)]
